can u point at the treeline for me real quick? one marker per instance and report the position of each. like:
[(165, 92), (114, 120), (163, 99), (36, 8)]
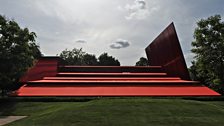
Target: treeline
[(79, 57)]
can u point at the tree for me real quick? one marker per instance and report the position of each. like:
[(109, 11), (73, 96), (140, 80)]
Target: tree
[(72, 57), (17, 53), (208, 47), (78, 57), (89, 59), (105, 60), (142, 62)]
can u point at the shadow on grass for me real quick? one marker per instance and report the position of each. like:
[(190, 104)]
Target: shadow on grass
[(7, 106), (13, 100)]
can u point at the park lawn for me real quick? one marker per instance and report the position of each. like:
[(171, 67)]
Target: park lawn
[(117, 112)]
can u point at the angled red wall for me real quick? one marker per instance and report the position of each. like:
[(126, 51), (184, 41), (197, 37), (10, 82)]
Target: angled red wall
[(45, 66), (166, 51)]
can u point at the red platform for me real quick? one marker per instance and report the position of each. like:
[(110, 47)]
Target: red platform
[(111, 90), (140, 83)]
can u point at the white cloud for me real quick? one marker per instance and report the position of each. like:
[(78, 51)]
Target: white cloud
[(138, 10), (120, 43), (80, 41)]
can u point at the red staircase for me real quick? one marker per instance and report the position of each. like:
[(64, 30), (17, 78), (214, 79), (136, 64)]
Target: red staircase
[(111, 81), (168, 75)]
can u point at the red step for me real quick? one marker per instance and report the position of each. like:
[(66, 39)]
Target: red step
[(112, 82), (124, 74), (112, 90), (111, 78), (109, 69)]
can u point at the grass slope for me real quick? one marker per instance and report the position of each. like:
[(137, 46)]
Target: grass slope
[(118, 112)]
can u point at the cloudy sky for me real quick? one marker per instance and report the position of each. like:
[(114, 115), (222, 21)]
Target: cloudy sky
[(123, 28)]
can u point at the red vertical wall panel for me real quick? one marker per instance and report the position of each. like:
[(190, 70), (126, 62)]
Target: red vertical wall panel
[(166, 51)]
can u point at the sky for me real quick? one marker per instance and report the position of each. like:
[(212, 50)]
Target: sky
[(122, 28)]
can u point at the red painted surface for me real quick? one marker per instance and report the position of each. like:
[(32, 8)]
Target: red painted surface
[(45, 66), (166, 51), (111, 78), (111, 81), (117, 91), (109, 69), (113, 84), (111, 74)]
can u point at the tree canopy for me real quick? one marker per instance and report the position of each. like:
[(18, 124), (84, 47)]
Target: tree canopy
[(79, 57), (106, 60), (89, 59), (208, 47), (17, 52), (142, 62), (72, 57)]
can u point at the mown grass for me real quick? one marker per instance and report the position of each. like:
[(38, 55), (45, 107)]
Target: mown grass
[(117, 112)]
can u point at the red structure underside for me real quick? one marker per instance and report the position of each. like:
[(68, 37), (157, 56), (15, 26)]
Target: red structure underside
[(111, 90)]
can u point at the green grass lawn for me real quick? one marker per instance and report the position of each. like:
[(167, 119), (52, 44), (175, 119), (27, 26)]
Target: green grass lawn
[(117, 112)]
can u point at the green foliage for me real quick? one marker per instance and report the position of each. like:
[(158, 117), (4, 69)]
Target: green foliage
[(89, 59), (142, 62), (79, 57), (17, 52), (72, 57), (105, 60), (209, 49)]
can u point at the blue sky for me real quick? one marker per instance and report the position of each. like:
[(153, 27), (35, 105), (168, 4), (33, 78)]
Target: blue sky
[(123, 28)]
